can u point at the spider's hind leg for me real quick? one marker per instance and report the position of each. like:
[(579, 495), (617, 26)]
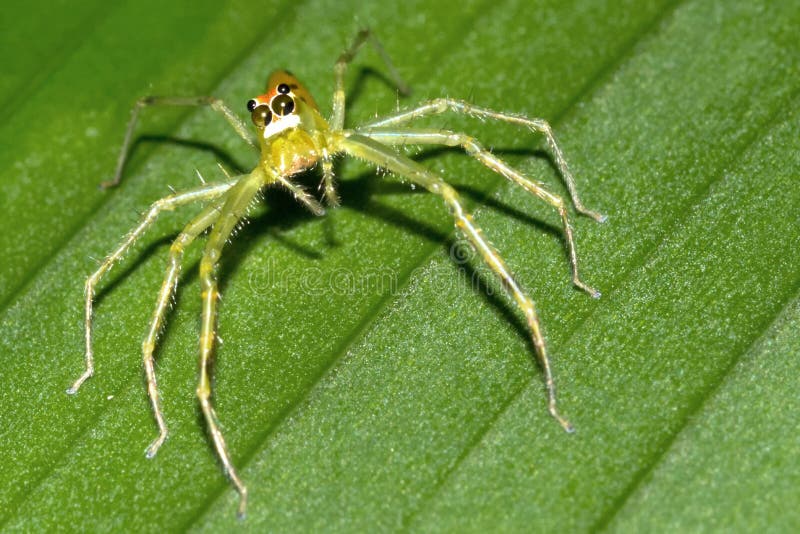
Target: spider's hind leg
[(338, 114), (472, 147), (362, 147), (337, 120)]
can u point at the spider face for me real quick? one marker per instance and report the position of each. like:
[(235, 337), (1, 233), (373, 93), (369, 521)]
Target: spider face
[(286, 104)]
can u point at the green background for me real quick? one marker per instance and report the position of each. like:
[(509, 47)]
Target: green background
[(367, 381)]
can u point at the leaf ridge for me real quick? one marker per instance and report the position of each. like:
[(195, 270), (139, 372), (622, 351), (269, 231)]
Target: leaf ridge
[(54, 62), (643, 475)]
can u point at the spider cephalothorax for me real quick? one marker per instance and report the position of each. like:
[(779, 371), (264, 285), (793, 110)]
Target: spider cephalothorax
[(289, 124), (292, 137)]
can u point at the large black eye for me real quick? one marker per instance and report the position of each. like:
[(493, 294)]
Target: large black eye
[(261, 115), (282, 105)]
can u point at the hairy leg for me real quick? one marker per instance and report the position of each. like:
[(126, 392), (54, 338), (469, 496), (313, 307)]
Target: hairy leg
[(302, 196), (337, 119), (235, 208), (376, 153), (199, 224), (441, 105), (205, 192), (215, 103), (472, 147)]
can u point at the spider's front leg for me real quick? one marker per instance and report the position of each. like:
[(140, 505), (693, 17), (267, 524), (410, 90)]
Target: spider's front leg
[(337, 118), (205, 192), (441, 105), (233, 210), (214, 103), (372, 151), (197, 226), (402, 137)]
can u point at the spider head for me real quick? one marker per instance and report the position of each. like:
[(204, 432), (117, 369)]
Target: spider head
[(285, 105)]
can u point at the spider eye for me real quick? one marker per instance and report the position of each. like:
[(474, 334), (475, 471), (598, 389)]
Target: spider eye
[(283, 89), (261, 115), (282, 105), (251, 105)]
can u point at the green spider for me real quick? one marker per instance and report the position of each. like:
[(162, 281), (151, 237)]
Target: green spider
[(293, 137)]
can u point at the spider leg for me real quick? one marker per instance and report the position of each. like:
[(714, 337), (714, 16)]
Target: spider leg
[(205, 192), (337, 119), (205, 219), (215, 103), (236, 203), (472, 147), (328, 182), (302, 195), (362, 147), (441, 105)]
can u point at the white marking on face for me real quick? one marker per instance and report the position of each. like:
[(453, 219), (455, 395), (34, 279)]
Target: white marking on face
[(284, 123)]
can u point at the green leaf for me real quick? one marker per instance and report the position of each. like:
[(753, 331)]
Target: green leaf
[(367, 381)]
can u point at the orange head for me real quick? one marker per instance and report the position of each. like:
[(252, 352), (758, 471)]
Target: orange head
[(285, 105)]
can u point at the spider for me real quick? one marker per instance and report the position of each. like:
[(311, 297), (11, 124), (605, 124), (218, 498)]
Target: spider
[(292, 137)]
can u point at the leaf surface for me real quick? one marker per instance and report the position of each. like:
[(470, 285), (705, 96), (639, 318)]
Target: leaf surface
[(367, 380)]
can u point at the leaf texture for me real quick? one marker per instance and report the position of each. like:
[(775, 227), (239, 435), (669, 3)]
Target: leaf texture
[(367, 381)]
